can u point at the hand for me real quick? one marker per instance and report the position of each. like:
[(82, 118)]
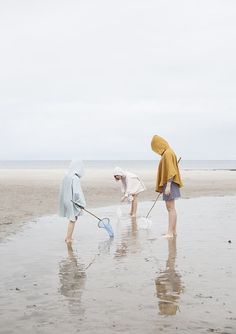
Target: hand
[(130, 198), (123, 198), (167, 190), (80, 206)]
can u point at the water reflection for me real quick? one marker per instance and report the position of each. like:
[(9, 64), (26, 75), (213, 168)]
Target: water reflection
[(168, 283), (72, 281), (104, 247), (128, 240)]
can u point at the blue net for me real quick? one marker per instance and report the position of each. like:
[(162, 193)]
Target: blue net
[(105, 223)]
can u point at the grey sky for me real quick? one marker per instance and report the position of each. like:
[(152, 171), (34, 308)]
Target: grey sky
[(96, 79)]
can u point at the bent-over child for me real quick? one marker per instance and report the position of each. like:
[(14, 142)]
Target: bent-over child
[(131, 187)]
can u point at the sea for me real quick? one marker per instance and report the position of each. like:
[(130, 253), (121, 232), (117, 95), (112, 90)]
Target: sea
[(110, 164)]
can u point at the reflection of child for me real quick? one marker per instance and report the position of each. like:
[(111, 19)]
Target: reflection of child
[(168, 179), (131, 186), (169, 285), (71, 191), (72, 277)]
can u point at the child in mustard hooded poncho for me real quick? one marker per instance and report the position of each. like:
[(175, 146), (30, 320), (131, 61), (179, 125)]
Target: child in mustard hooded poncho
[(168, 179)]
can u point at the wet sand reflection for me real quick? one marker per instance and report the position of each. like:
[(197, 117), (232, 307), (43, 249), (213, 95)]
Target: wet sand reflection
[(168, 283), (72, 277), (129, 240)]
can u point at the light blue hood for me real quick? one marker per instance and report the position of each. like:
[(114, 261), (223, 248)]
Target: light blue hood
[(71, 191), (76, 168)]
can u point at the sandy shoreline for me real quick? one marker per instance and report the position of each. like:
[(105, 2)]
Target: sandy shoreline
[(136, 283), (27, 194)]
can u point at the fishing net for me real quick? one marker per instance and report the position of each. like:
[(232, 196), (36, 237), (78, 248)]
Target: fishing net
[(105, 223), (144, 223)]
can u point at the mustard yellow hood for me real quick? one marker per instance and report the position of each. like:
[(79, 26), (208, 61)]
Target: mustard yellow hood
[(159, 144)]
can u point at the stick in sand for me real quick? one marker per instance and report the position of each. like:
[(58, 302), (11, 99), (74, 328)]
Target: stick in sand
[(157, 198)]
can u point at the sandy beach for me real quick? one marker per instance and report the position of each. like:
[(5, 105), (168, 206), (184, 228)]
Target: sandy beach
[(26, 194), (136, 283)]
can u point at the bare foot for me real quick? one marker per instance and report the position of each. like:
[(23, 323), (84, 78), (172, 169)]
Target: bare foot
[(168, 235), (68, 240)]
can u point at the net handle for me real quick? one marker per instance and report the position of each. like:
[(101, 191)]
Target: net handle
[(82, 208), (153, 205), (158, 197)]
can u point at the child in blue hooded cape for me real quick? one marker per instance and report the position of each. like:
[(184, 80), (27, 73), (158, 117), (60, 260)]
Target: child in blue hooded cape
[(71, 191)]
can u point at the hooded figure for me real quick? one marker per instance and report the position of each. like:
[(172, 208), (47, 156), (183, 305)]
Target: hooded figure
[(168, 167), (130, 183), (71, 191)]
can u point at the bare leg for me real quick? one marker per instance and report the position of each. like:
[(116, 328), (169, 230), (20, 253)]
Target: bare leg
[(134, 206), (134, 226), (172, 216), (70, 230)]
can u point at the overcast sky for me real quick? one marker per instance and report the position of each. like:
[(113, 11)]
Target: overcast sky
[(95, 79)]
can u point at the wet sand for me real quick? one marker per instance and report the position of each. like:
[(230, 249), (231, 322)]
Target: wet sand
[(136, 283), (27, 194)]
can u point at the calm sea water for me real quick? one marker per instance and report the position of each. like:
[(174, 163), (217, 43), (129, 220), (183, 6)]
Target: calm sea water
[(127, 164)]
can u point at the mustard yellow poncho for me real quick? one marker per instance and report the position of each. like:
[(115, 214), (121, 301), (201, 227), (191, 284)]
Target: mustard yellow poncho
[(168, 165)]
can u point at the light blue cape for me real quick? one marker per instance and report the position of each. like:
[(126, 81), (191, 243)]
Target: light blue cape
[(71, 191)]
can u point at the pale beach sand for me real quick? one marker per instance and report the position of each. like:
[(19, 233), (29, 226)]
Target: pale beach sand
[(137, 283)]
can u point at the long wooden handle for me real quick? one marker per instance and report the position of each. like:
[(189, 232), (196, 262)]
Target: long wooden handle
[(82, 208), (153, 205)]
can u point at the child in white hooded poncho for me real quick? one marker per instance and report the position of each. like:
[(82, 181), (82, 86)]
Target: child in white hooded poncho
[(131, 186), (71, 191)]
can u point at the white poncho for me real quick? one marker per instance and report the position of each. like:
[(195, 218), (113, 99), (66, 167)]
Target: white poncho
[(71, 190), (130, 183)]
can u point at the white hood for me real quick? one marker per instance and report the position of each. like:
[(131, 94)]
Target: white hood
[(76, 168), (119, 171)]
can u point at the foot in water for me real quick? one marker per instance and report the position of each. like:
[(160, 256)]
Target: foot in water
[(68, 241), (168, 235)]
